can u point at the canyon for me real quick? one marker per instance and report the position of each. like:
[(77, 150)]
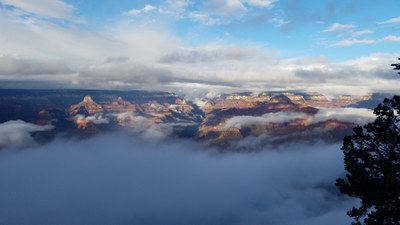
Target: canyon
[(227, 121)]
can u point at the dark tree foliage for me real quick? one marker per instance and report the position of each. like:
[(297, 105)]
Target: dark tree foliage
[(372, 162), (396, 66)]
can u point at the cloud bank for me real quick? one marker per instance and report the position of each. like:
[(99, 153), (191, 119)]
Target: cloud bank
[(352, 115), (17, 133), (144, 51), (121, 180)]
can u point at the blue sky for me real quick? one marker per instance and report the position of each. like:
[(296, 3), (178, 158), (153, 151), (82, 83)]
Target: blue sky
[(210, 44), (292, 27)]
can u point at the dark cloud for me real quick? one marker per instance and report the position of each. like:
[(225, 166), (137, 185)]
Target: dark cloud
[(117, 179), (123, 71), (344, 73), (128, 73), (11, 65)]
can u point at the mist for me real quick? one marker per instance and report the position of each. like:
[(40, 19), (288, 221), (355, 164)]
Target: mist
[(352, 115), (118, 179), (17, 133)]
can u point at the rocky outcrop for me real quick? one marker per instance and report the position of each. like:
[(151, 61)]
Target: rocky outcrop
[(214, 128), (86, 112), (86, 107), (121, 112), (280, 99), (120, 106)]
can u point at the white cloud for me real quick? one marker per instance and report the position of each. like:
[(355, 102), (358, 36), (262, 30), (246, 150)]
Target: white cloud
[(117, 179), (17, 133), (177, 5), (143, 127), (96, 118), (157, 132), (55, 9), (146, 9), (352, 115), (345, 43), (125, 117), (391, 38), (279, 117), (155, 58), (260, 3), (359, 33), (211, 54), (279, 22), (390, 21), (203, 18), (225, 7), (48, 42), (339, 27)]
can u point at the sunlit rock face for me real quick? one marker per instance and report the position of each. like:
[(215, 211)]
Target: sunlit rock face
[(223, 121), (87, 107), (280, 116), (120, 105)]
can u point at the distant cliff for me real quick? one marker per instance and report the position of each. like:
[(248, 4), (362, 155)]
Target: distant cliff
[(224, 121)]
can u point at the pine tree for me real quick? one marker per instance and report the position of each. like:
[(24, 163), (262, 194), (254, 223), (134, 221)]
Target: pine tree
[(396, 66), (372, 163)]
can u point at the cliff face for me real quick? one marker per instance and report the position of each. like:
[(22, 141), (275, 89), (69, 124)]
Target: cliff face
[(86, 107), (222, 121), (233, 118), (124, 113), (120, 106)]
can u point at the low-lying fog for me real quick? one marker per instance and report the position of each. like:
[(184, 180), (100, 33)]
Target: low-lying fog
[(117, 179)]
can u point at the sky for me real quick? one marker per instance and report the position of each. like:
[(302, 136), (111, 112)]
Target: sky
[(333, 47)]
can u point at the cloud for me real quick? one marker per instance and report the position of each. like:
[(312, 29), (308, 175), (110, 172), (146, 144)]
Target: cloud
[(53, 9), (227, 12), (346, 43), (125, 117), (146, 9), (143, 127), (157, 132), (17, 133), (391, 38), (279, 117), (390, 21), (150, 56), (211, 54), (39, 40), (203, 18), (177, 5), (368, 74), (258, 72), (352, 115), (279, 22), (260, 3), (225, 7), (299, 11), (339, 27), (129, 74), (12, 65), (95, 119), (347, 31), (118, 179), (358, 33)]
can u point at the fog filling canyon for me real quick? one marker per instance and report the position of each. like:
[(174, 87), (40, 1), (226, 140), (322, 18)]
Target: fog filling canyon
[(118, 179)]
